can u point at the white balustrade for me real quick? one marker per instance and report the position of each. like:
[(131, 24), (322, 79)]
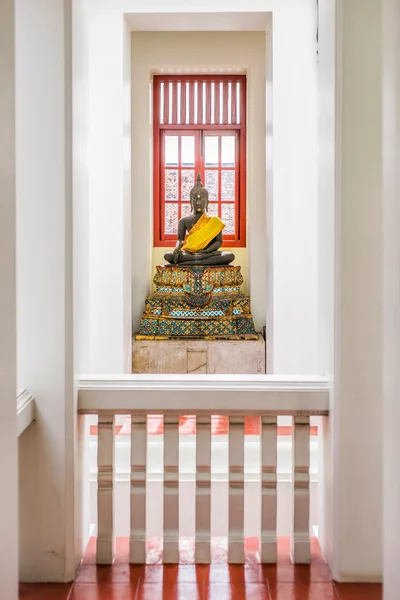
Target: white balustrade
[(203, 489), (171, 489), (236, 490), (105, 484), (300, 546), (137, 542), (269, 443), (314, 401)]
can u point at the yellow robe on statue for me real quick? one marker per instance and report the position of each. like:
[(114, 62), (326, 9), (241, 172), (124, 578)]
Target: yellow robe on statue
[(203, 232)]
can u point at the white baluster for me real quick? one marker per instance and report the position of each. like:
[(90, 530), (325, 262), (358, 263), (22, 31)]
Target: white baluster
[(105, 487), (137, 544), (268, 489), (236, 490), (300, 543), (171, 489), (203, 489)]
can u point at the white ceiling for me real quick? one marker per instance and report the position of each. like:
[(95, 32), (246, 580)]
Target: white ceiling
[(239, 21)]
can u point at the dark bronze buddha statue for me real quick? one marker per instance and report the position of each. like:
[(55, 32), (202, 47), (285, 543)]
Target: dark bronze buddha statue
[(201, 247)]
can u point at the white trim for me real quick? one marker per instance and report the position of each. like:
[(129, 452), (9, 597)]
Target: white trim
[(25, 411), (191, 382), (213, 394), (198, 21)]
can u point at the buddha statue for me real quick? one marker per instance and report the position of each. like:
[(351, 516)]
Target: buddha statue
[(201, 247)]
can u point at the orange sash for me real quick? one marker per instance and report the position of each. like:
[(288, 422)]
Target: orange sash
[(203, 232)]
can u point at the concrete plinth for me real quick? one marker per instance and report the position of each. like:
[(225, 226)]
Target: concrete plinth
[(199, 356)]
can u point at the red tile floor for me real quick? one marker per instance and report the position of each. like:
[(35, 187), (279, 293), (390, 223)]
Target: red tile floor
[(218, 581)]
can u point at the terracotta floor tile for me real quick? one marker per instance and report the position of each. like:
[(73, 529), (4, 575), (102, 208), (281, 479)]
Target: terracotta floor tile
[(44, 591), (193, 574), (297, 591), (186, 581), (94, 591), (286, 572), (182, 591), (254, 574), (196, 583), (156, 573), (236, 575), (359, 591), (117, 573), (226, 591), (289, 573)]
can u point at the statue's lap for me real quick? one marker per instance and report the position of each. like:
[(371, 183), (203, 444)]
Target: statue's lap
[(212, 258)]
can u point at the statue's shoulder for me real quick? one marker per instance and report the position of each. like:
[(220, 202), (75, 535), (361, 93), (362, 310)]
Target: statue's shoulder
[(187, 221)]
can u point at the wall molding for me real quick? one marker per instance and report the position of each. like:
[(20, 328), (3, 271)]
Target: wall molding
[(25, 411)]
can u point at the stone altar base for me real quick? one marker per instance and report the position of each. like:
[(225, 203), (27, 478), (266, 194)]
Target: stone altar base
[(199, 356)]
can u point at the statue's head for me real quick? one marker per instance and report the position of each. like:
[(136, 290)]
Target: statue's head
[(199, 196)]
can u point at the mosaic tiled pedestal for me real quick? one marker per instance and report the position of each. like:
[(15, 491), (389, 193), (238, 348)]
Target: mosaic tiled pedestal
[(199, 356), (197, 303)]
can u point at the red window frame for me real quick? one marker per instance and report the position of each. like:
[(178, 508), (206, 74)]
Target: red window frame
[(172, 121)]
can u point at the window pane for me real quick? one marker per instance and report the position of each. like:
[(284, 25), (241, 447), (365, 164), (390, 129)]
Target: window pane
[(186, 210), (213, 210), (171, 150), (228, 151), (171, 184), (211, 183), (211, 150), (187, 182), (187, 147), (171, 218), (228, 185), (228, 217)]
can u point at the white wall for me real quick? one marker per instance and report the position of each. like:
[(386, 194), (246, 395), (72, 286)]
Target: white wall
[(45, 287), (351, 284), (295, 207), (127, 202), (107, 174), (294, 279), (326, 264), (81, 216), (391, 261), (8, 375), (158, 52), (358, 329), (269, 209), (80, 121)]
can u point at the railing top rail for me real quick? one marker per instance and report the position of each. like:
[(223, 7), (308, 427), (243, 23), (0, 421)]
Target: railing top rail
[(207, 394)]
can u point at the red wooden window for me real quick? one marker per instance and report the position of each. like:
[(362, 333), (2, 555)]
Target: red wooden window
[(200, 125)]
